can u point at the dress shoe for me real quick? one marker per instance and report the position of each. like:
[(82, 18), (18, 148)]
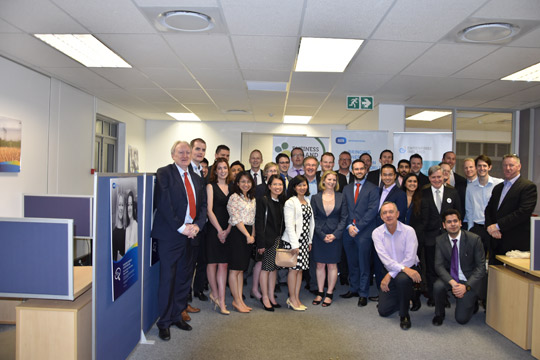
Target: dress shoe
[(270, 308), (276, 306), (374, 298), (447, 304), (430, 302), (437, 320), (191, 309), (182, 325), (405, 322), (344, 281), (476, 307), (185, 316), (416, 305), (200, 295), (290, 305), (165, 334), (349, 295), (362, 301)]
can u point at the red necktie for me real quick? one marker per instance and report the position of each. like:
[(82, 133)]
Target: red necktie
[(356, 192), (191, 196)]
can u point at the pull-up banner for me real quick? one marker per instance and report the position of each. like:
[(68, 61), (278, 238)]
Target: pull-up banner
[(430, 145), (358, 142)]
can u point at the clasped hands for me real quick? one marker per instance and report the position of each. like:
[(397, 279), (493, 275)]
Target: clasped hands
[(458, 289), (191, 230), (329, 238)]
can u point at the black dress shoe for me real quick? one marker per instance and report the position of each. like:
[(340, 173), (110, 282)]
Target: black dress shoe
[(416, 305), (182, 325), (344, 281), (271, 308), (405, 322), (374, 298), (165, 334), (362, 301), (349, 295), (437, 320), (476, 307), (200, 295), (430, 302), (447, 304)]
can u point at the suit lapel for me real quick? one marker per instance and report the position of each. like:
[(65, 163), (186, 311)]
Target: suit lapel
[(178, 179)]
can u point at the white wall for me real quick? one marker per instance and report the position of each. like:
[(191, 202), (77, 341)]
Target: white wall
[(160, 135)]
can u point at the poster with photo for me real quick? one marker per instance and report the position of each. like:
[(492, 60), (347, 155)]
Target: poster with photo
[(10, 145), (124, 234), (133, 159)]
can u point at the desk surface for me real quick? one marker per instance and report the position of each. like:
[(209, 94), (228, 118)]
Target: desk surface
[(82, 280), (520, 264)]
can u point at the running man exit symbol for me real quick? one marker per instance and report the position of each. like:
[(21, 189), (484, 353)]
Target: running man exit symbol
[(359, 102)]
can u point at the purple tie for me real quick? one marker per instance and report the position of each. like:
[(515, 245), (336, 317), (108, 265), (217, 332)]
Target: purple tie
[(454, 262), (297, 172)]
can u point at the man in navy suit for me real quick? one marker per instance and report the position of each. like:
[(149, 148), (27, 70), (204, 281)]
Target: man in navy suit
[(180, 205), (386, 157), (416, 165), (436, 199), (362, 201), (460, 265), (508, 212)]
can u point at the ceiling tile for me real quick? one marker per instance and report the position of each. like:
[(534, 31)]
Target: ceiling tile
[(125, 78), (502, 104), (266, 75), (343, 19), (424, 20), (504, 9), (297, 98), (270, 98), (301, 110), (228, 100), (497, 89), (118, 16), (83, 78), (314, 82), (527, 95), (150, 95), (203, 51), (6, 27), (386, 57), (264, 52), (213, 79), (446, 59), (356, 84), (171, 78), (531, 39), (177, 4), (190, 96), (262, 17)]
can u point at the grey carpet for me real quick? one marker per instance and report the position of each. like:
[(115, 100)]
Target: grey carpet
[(341, 331)]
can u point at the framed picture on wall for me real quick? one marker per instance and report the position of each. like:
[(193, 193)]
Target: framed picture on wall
[(10, 145)]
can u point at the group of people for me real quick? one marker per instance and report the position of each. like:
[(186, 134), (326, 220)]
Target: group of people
[(407, 231)]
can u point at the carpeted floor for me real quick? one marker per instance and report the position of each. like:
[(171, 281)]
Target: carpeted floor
[(341, 331)]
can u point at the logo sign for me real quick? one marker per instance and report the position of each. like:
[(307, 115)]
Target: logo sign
[(341, 140), (359, 102)]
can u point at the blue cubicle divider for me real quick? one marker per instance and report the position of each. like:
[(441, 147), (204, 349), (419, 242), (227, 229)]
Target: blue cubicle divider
[(78, 208), (36, 258), (117, 325), (150, 273)]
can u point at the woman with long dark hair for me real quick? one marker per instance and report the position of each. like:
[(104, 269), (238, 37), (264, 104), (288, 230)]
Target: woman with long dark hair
[(241, 208)]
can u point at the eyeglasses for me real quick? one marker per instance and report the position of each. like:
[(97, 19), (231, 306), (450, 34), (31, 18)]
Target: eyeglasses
[(284, 162)]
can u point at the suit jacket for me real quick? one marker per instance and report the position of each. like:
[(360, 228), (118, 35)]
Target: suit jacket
[(461, 187), (265, 233), (471, 258), (431, 222), (423, 180), (513, 216), (329, 224), (398, 197), (292, 216), (365, 209), (171, 203), (374, 177), (341, 179)]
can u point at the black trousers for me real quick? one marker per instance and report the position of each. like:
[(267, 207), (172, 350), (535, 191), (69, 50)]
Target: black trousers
[(200, 279), (399, 296), (464, 306)]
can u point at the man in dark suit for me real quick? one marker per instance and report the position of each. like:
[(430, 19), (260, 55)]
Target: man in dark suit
[(436, 199), (460, 265), (180, 205), (327, 163), (284, 162), (416, 166), (509, 210), (456, 180), (344, 162), (362, 201), (386, 157), (255, 160)]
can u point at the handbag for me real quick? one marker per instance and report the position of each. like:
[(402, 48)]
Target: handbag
[(285, 258)]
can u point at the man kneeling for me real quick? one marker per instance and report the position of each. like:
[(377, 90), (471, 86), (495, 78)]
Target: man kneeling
[(460, 265), (396, 245)]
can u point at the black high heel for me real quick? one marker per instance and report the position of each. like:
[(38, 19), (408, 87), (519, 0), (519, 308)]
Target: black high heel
[(331, 297), (271, 308), (317, 302)]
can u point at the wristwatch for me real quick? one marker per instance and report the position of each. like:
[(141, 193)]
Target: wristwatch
[(468, 287)]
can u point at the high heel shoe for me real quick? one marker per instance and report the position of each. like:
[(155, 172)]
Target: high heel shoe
[(276, 305), (290, 305), (329, 296), (212, 298), (271, 308), (238, 309), (223, 310), (253, 296), (317, 302)]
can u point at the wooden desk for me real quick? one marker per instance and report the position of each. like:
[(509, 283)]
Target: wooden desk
[(82, 280), (512, 302)]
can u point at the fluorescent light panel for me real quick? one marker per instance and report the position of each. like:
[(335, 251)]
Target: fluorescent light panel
[(184, 116), (85, 49), (295, 119), (429, 115), (266, 85), (326, 55), (532, 73)]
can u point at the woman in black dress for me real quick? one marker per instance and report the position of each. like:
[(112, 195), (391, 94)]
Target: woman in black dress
[(241, 208), (269, 225), (218, 230), (330, 213)]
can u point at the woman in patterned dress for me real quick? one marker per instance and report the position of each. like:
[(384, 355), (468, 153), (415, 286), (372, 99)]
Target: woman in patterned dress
[(241, 208), (299, 226)]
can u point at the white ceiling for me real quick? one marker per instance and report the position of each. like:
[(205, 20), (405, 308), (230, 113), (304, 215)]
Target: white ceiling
[(411, 55)]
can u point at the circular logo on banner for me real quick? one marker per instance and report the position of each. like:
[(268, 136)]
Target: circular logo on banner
[(341, 140), (114, 185), (402, 150), (117, 273)]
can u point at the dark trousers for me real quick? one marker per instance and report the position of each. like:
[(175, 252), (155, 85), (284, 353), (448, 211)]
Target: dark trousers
[(200, 279), (481, 231), (431, 275), (464, 306), (343, 266), (378, 268), (176, 270), (399, 296), (358, 250)]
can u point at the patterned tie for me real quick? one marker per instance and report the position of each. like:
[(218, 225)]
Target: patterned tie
[(438, 202), (454, 261), (191, 197), (255, 178)]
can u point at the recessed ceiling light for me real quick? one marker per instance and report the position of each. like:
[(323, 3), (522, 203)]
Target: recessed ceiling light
[(237, 112), (532, 73), (490, 32), (326, 55), (295, 119), (184, 116), (428, 115), (266, 85), (184, 20), (85, 49)]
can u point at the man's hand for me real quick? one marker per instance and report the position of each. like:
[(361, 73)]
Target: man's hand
[(329, 238), (353, 231), (493, 231), (459, 290), (191, 230), (385, 282), (413, 274)]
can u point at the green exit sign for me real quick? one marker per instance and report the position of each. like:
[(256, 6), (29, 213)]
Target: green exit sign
[(359, 102)]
